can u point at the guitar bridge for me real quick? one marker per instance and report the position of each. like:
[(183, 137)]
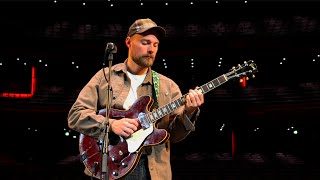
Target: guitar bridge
[(143, 121)]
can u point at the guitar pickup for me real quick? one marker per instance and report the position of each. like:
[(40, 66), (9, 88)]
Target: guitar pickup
[(143, 121)]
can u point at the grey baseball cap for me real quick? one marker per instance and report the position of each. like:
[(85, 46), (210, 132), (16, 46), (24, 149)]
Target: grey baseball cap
[(143, 25)]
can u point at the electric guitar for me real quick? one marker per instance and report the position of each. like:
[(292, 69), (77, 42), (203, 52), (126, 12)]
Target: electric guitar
[(124, 154)]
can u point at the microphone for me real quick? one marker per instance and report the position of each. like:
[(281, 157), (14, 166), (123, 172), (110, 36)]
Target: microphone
[(111, 47)]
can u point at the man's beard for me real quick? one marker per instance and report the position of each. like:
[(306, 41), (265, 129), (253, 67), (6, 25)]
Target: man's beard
[(144, 61)]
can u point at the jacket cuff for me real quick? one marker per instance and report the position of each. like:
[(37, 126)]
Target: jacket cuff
[(190, 121)]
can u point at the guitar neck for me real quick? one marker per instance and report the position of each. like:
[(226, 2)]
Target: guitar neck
[(152, 117)]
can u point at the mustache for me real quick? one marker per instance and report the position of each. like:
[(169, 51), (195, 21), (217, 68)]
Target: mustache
[(149, 56)]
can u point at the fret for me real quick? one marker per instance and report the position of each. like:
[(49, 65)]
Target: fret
[(221, 79), (173, 105), (151, 117), (210, 85), (155, 115), (204, 88), (160, 112), (164, 110), (147, 117), (169, 106), (178, 103), (216, 82)]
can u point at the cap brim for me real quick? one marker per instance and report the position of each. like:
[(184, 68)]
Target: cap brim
[(161, 31)]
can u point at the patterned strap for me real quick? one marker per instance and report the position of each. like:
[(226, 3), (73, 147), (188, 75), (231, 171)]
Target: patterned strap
[(156, 84)]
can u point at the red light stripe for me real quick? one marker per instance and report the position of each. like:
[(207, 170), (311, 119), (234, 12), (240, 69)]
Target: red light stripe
[(23, 95)]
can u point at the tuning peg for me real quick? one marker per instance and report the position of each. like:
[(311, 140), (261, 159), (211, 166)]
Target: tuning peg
[(253, 76), (247, 78), (233, 67), (241, 80)]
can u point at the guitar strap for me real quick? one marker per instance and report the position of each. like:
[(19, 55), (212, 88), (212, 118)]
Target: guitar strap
[(156, 84)]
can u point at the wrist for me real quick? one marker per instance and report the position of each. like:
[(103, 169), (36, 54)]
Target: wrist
[(190, 113), (110, 123)]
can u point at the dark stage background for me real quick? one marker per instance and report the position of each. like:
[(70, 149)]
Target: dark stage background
[(265, 130)]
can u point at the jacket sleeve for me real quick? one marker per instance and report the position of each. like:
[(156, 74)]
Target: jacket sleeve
[(83, 116), (180, 124)]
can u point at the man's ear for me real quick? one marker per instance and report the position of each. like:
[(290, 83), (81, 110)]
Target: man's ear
[(128, 41)]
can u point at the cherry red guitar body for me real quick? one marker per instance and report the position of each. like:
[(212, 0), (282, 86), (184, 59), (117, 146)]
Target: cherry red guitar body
[(120, 160)]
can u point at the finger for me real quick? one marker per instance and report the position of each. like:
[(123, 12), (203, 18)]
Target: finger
[(130, 126), (201, 97), (195, 97), (191, 94), (198, 96), (127, 131), (198, 90), (135, 122), (125, 134), (188, 99)]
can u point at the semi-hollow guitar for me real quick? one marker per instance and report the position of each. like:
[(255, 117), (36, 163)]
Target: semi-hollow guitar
[(124, 154)]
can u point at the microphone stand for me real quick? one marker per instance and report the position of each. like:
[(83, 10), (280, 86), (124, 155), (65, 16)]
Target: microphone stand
[(111, 48)]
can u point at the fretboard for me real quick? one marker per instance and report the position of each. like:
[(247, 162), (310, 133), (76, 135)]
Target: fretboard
[(151, 117)]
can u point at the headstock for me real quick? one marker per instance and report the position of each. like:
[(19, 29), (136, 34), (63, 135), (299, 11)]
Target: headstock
[(243, 70)]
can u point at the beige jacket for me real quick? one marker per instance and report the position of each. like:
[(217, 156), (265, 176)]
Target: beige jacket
[(83, 116)]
